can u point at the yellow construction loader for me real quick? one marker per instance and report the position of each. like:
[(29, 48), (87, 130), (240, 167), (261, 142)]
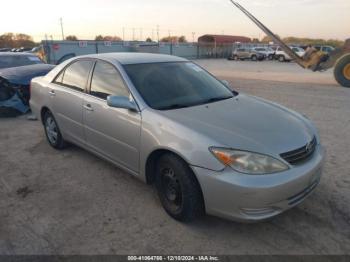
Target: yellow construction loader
[(313, 59)]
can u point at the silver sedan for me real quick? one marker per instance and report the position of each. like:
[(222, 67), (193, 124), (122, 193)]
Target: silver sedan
[(169, 122)]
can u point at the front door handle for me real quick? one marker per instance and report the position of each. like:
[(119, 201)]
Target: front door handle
[(52, 93), (88, 107)]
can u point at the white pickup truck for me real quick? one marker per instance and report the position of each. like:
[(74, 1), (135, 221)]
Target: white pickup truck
[(283, 57)]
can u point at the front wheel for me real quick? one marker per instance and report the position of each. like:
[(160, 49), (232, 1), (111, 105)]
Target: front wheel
[(178, 189), (52, 132), (342, 71), (254, 58), (281, 58)]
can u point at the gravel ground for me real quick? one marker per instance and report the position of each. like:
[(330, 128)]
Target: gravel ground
[(71, 202)]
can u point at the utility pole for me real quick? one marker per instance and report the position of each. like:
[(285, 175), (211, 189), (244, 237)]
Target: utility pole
[(171, 42), (193, 34), (133, 34), (61, 21), (158, 33), (123, 34)]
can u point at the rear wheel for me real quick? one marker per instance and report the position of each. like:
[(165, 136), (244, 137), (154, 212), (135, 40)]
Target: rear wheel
[(342, 71), (270, 57), (235, 57), (281, 58), (52, 132), (254, 58), (178, 189)]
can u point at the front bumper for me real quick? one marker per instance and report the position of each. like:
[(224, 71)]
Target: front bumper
[(241, 197)]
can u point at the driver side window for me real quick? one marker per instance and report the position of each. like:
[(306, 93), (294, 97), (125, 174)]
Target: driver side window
[(106, 81)]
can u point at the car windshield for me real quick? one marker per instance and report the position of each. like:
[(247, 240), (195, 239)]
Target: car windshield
[(7, 61), (166, 86)]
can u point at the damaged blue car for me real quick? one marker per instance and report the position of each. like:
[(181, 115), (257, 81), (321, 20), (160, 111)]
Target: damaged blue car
[(15, 85)]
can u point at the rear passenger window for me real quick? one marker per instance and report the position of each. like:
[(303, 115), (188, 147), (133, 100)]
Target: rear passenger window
[(75, 76), (107, 81)]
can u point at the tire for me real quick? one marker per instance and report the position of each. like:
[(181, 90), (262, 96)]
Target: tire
[(270, 57), (178, 189), (236, 58), (342, 71), (281, 58), (254, 58), (52, 132)]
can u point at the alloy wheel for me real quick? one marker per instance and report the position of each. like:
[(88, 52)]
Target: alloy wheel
[(51, 130)]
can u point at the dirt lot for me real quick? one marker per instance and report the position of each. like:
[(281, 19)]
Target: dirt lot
[(71, 202)]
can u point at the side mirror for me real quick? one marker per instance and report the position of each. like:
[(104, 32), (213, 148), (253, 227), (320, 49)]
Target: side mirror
[(121, 102)]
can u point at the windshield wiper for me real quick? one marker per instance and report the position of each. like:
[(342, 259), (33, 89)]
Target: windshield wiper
[(210, 100), (215, 99), (173, 106)]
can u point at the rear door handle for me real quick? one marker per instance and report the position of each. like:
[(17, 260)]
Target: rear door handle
[(52, 93), (88, 107)]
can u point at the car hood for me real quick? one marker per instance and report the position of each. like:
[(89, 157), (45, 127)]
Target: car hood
[(247, 123), (22, 75)]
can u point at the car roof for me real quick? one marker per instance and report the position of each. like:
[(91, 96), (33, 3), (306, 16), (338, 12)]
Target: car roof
[(137, 58), (16, 54)]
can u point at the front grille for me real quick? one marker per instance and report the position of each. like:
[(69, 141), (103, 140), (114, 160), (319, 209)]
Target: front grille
[(299, 155)]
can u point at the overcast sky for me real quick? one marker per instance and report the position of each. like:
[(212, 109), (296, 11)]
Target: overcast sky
[(87, 18)]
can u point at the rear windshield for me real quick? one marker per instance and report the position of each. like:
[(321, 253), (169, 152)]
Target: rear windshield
[(7, 61), (166, 86)]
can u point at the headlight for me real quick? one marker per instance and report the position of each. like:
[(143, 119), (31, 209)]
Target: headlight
[(248, 162)]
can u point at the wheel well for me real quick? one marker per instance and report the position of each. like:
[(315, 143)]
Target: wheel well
[(43, 112), (151, 164), (152, 161)]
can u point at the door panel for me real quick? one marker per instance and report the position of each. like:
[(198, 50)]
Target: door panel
[(67, 93), (113, 132), (67, 107)]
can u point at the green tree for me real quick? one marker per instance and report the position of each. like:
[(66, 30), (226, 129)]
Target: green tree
[(268, 39), (112, 38), (72, 38), (149, 39), (16, 40), (99, 38), (174, 39), (306, 41), (182, 39)]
